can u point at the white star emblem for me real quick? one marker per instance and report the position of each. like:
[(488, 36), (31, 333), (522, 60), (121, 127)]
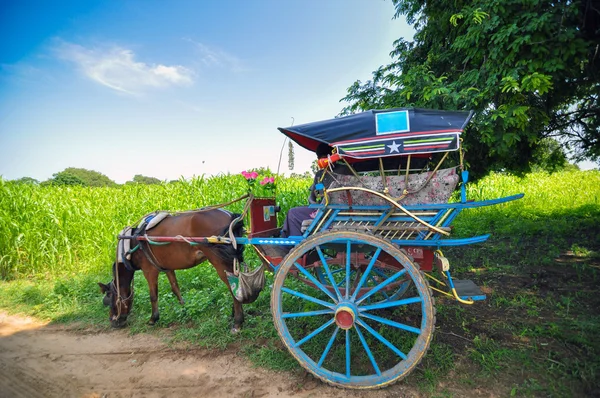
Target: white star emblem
[(394, 147)]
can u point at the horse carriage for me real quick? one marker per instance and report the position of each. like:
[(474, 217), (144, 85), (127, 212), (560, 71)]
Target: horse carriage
[(352, 296)]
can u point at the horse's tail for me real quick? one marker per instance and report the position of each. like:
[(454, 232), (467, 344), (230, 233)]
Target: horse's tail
[(231, 252)]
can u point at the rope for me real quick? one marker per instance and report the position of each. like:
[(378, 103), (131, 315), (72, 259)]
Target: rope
[(212, 207), (151, 242), (183, 238), (236, 263)]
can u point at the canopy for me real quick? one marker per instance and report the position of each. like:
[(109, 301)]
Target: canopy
[(384, 133)]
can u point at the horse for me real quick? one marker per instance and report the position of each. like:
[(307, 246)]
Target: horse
[(152, 259)]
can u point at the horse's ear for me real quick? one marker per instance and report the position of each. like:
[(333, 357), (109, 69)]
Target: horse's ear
[(103, 288)]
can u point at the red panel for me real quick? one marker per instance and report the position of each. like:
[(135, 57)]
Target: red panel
[(422, 256), (263, 217)]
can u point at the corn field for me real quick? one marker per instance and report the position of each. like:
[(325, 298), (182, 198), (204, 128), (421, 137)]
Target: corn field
[(48, 231), (60, 230)]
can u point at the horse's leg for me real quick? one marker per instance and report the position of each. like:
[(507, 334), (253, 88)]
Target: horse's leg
[(238, 311), (174, 286), (152, 278)]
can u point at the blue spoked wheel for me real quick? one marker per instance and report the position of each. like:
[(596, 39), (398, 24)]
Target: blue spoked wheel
[(346, 331)]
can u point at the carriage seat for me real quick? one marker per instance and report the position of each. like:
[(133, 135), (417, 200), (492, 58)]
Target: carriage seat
[(439, 189)]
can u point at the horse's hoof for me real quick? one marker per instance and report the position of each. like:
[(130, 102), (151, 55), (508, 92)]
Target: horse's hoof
[(151, 322), (181, 302), (235, 330)]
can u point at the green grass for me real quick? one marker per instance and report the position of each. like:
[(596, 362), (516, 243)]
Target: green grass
[(536, 335)]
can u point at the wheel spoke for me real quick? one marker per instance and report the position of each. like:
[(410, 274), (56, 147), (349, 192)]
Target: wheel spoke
[(348, 353), (315, 281), (308, 298), (378, 272), (366, 274), (329, 274), (331, 340), (382, 285), (316, 332), (392, 323), (348, 255), (389, 304), (308, 313), (368, 351), (382, 339)]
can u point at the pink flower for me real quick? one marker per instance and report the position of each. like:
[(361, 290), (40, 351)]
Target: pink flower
[(249, 176), (267, 181)]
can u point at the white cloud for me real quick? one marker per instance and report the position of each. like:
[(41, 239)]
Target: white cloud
[(213, 57), (117, 68)]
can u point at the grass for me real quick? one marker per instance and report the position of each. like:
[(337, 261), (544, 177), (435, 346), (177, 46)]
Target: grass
[(536, 335)]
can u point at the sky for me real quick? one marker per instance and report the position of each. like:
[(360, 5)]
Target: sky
[(173, 89)]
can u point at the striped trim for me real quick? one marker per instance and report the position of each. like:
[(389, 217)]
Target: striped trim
[(444, 139), (391, 136), (421, 147)]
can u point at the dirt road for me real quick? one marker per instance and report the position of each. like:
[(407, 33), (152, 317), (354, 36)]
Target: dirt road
[(41, 360)]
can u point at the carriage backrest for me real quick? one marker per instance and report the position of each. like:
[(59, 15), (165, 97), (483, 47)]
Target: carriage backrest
[(438, 189)]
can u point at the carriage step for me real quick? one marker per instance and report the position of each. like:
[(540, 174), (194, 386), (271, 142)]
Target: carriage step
[(467, 289)]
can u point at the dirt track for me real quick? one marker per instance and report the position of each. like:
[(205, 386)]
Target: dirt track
[(40, 360)]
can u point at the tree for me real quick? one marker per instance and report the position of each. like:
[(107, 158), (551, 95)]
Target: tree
[(140, 179), (529, 69), (26, 180), (91, 178), (64, 178), (77, 176), (549, 156)]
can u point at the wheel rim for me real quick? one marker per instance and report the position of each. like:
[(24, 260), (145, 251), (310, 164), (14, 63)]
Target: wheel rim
[(338, 325)]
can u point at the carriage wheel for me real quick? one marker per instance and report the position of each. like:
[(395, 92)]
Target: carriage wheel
[(340, 331)]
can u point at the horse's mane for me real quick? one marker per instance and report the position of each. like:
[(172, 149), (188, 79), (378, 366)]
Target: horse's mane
[(228, 252)]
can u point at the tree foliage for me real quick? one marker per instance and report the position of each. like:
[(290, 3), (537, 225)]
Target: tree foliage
[(140, 179), (26, 180), (64, 178), (77, 176), (529, 68)]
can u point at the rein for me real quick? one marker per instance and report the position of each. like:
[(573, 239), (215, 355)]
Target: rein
[(207, 208)]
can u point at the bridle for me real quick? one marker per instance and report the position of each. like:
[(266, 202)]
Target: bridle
[(119, 300)]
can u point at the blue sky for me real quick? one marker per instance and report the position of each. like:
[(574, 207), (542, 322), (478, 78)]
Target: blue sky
[(177, 88)]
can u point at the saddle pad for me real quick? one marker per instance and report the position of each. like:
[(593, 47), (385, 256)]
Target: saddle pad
[(154, 219), (124, 244)]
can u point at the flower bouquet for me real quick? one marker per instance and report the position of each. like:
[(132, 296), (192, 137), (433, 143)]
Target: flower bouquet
[(266, 186)]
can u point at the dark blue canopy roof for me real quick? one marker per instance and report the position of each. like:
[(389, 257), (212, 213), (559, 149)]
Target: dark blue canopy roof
[(382, 133)]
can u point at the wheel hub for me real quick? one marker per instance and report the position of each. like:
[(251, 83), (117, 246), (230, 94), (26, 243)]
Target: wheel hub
[(344, 317)]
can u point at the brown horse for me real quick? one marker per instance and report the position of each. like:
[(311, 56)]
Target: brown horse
[(151, 260)]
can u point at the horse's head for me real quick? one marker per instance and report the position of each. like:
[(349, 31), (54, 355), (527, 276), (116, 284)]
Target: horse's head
[(118, 300)]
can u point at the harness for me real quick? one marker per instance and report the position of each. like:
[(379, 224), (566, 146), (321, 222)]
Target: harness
[(244, 285), (151, 220)]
